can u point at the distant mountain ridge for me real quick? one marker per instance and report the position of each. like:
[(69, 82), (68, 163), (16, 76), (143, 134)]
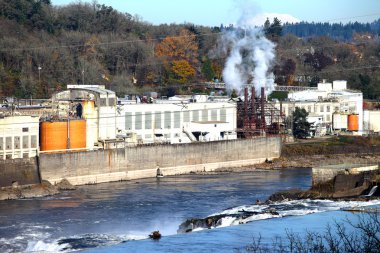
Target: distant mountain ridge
[(339, 31)]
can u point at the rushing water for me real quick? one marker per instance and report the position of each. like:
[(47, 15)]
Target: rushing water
[(118, 217)]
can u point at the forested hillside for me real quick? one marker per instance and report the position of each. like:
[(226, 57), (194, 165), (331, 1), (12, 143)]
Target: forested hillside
[(343, 32), (43, 48)]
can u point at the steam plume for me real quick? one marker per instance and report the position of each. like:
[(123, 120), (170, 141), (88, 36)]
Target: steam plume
[(251, 54)]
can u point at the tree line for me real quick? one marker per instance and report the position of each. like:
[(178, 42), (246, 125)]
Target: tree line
[(44, 47)]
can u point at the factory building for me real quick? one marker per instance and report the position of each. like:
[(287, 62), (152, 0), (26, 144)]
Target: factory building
[(83, 117), (89, 116), (177, 120), (18, 136), (331, 107)]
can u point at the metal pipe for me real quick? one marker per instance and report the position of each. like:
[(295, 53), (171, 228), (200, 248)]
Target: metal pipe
[(253, 108), (262, 108), (245, 106)]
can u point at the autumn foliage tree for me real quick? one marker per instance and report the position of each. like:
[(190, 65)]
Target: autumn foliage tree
[(180, 55)]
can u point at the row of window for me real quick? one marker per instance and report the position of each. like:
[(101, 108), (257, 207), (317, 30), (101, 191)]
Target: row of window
[(168, 119), (18, 142), (111, 101)]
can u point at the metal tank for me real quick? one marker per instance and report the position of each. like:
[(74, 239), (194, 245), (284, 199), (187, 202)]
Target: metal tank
[(77, 134), (353, 122), (54, 135)]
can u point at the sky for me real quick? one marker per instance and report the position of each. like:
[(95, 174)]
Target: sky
[(226, 12)]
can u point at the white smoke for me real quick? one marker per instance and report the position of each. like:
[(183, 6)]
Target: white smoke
[(251, 54)]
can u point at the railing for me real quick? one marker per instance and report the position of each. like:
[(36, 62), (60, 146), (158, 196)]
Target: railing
[(293, 88)]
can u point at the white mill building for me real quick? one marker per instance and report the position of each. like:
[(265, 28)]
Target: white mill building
[(178, 121), (330, 106)]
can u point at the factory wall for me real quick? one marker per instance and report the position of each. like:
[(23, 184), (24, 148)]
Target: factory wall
[(142, 161), (22, 170)]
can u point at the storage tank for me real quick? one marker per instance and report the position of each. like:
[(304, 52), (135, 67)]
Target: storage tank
[(353, 122), (339, 121), (77, 134), (54, 135)]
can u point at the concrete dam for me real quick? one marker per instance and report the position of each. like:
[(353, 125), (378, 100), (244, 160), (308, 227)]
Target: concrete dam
[(138, 162)]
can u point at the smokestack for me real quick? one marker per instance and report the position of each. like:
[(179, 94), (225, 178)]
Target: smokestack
[(253, 108), (245, 106), (262, 108)]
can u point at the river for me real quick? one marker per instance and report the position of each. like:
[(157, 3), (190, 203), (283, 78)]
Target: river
[(118, 217)]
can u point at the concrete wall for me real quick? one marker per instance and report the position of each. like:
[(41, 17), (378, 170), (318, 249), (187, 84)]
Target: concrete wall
[(24, 171), (142, 161), (326, 173)]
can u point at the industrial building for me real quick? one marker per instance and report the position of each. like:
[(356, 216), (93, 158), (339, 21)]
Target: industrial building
[(331, 107), (18, 136), (90, 117), (181, 119)]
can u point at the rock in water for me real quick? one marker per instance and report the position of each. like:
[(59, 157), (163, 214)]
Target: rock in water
[(155, 235)]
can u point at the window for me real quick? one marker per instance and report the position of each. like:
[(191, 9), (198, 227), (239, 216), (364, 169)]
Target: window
[(111, 101), (223, 115), (328, 108), (177, 119), (214, 115), (8, 143), (16, 142), (33, 141), (157, 120), (148, 120), (309, 108), (205, 115), (186, 116), (167, 119), (328, 117), (25, 142), (1, 143), (25, 129), (103, 101), (128, 121), (322, 108), (195, 115), (138, 120)]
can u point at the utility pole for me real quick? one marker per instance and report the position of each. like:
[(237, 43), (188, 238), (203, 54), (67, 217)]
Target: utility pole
[(39, 74)]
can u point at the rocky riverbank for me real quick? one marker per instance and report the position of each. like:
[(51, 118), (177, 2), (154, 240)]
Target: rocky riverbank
[(33, 191)]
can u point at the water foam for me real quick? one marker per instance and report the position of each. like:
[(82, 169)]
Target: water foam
[(285, 208)]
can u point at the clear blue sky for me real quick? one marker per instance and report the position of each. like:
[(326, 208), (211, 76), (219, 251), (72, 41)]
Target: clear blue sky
[(216, 12)]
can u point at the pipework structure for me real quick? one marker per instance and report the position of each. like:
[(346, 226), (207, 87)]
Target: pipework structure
[(256, 116)]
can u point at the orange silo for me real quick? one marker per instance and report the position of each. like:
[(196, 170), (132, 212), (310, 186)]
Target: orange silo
[(353, 122), (77, 134), (54, 135)]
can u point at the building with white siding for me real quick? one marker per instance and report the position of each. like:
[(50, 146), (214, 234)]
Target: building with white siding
[(176, 121), (19, 136), (326, 102)]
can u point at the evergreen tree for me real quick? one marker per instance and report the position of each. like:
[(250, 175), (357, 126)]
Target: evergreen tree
[(301, 127), (207, 70)]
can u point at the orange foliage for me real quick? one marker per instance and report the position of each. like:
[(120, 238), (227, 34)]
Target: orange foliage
[(179, 47), (182, 70)]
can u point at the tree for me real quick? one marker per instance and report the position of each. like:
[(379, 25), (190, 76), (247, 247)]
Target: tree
[(180, 54), (318, 60), (181, 47), (207, 70), (273, 31), (301, 127), (182, 71)]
